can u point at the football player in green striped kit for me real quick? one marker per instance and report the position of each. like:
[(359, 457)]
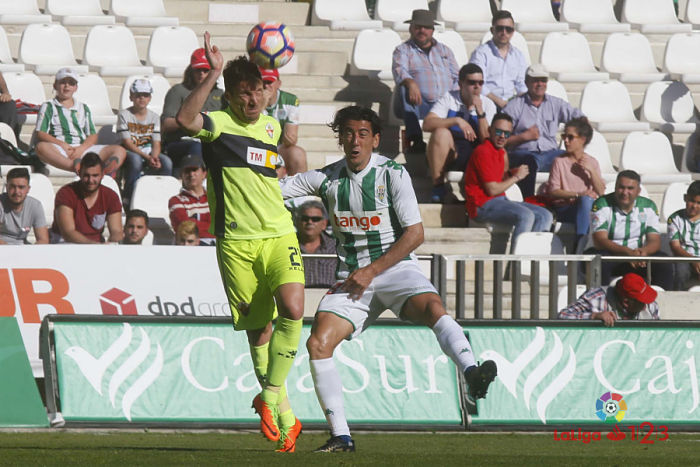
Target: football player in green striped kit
[(376, 222)]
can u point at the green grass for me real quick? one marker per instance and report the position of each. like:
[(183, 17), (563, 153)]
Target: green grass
[(69, 447)]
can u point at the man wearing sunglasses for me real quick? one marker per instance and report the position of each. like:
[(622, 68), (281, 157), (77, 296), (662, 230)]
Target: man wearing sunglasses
[(311, 223), (458, 122), (504, 65)]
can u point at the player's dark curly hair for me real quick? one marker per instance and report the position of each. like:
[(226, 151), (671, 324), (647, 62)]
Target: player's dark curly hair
[(356, 113), (239, 70), (582, 127)]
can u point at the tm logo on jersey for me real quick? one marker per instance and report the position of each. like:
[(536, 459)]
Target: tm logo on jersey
[(345, 221), (262, 157)]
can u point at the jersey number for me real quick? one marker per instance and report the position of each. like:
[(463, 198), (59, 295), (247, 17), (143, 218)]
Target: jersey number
[(294, 253)]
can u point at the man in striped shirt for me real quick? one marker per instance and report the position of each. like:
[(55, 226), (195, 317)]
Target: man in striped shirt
[(684, 235), (64, 130), (376, 221), (192, 203)]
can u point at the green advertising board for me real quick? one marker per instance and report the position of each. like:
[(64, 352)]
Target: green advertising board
[(549, 375), (150, 371)]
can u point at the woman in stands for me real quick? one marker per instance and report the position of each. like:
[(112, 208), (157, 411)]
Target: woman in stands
[(575, 180)]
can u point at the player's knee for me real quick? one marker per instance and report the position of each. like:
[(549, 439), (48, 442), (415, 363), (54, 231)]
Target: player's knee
[(319, 347)]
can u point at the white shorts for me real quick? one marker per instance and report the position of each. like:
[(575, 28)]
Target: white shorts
[(389, 290), (96, 148)]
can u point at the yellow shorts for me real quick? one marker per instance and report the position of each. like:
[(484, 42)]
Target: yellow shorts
[(252, 270)]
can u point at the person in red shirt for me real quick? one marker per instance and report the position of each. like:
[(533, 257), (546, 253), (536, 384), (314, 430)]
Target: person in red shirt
[(487, 178), (84, 207), (191, 203)]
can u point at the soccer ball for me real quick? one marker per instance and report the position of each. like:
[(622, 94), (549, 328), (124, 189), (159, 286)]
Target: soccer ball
[(270, 45)]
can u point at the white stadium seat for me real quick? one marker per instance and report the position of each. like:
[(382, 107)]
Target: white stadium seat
[(344, 15), (169, 49), (688, 162), (533, 15), (556, 89), (681, 59), (6, 61), (92, 91), (649, 154), (598, 148), (567, 57), (653, 16), (454, 41), (669, 107), (628, 57), (27, 87), (673, 199), (393, 13), (608, 106), (42, 189), (21, 12), (110, 50), (161, 86), (517, 40), (78, 12), (142, 13), (7, 133), (692, 12), (465, 15), (372, 52), (540, 244), (46, 48), (592, 16), (151, 194)]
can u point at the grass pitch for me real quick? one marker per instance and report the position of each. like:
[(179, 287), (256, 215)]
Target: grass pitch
[(92, 448)]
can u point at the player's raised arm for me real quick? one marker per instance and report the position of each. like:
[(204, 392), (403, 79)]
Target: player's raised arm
[(188, 117), (302, 184)]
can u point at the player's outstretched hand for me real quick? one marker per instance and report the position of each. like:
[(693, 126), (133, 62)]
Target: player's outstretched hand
[(357, 282), (214, 56)]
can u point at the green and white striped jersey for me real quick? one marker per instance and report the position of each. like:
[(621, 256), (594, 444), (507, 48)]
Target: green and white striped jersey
[(687, 232), (368, 210), (71, 125), (625, 229)]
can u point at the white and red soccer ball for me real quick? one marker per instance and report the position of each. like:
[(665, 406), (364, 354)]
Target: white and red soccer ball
[(270, 44)]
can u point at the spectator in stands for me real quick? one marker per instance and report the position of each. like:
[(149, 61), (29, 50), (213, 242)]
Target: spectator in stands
[(19, 213), (187, 234), (458, 122), (575, 181), (487, 178), (626, 224), (177, 143), (84, 207), (191, 203), (503, 64), (8, 109), (311, 223), (139, 130), (684, 235), (65, 132), (425, 69), (284, 107), (136, 227), (536, 118), (630, 298)]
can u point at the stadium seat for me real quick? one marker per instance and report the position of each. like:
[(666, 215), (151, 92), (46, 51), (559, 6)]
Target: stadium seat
[(692, 12), (533, 15), (161, 86), (673, 199), (681, 59), (454, 41), (592, 16), (78, 12), (669, 107), (608, 106), (6, 61), (598, 148), (393, 13), (562, 297), (465, 15), (151, 194), (142, 13), (110, 50), (42, 189), (27, 87), (169, 49), (21, 12), (7, 133), (688, 162), (518, 41), (540, 244), (513, 193), (46, 48), (372, 52), (653, 17), (649, 154), (556, 89), (567, 57), (345, 15), (92, 91), (628, 57)]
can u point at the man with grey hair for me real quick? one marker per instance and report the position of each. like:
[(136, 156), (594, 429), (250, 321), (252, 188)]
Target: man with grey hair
[(311, 223)]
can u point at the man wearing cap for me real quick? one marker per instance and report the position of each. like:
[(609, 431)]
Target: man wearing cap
[(64, 130), (425, 69), (504, 65), (630, 298), (191, 203), (284, 107), (536, 118), (177, 143), (139, 130)]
